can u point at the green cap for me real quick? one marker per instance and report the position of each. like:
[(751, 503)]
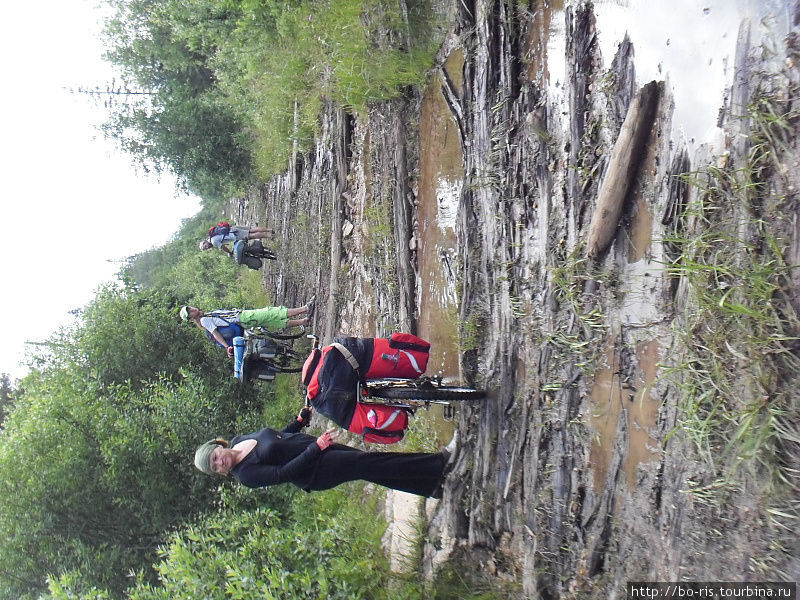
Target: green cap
[(202, 456), (184, 313)]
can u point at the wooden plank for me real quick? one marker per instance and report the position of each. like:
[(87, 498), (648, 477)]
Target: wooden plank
[(622, 169)]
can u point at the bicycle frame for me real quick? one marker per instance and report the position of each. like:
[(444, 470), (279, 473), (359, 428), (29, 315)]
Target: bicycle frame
[(260, 331), (365, 394)]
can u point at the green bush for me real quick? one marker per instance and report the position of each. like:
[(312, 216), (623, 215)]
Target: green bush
[(315, 549)]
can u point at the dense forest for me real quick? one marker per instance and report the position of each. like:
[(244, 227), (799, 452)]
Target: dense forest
[(101, 498), (222, 92)]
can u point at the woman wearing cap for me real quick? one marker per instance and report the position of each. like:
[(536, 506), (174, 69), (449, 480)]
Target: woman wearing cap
[(269, 457)]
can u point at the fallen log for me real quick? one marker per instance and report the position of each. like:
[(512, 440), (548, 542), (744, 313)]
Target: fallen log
[(623, 167)]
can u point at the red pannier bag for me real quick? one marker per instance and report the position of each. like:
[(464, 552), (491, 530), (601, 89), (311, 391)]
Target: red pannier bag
[(331, 374), (402, 355), (379, 424)]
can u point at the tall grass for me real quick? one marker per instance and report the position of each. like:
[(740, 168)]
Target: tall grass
[(741, 367), (351, 52)]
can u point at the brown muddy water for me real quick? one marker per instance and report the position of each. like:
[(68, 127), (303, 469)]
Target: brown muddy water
[(440, 180), (692, 47), (586, 483), (615, 393)]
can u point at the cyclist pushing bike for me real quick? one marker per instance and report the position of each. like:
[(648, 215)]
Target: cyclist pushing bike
[(223, 325)]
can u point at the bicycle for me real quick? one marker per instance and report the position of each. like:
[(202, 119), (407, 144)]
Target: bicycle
[(412, 394), (251, 254)]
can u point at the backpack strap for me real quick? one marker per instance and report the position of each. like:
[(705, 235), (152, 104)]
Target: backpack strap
[(348, 356), (229, 316)]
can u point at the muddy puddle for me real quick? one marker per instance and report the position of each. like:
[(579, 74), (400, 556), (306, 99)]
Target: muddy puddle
[(690, 45), (440, 180), (545, 46), (624, 392), (640, 232)]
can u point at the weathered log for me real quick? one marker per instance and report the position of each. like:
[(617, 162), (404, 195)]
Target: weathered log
[(338, 181), (622, 168)]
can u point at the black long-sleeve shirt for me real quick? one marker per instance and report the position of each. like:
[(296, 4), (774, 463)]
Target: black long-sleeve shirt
[(279, 457), (288, 456)]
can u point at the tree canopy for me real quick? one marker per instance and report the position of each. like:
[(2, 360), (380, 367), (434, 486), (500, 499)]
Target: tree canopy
[(96, 447)]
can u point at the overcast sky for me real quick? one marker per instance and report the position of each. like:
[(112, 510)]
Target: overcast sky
[(70, 202)]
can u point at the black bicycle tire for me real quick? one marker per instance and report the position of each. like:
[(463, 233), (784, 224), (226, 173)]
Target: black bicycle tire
[(451, 394), (285, 336), (261, 254), (287, 363)]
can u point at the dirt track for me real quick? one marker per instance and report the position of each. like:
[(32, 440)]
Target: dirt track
[(570, 481)]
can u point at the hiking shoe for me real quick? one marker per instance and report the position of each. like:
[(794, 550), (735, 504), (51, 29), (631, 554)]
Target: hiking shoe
[(311, 305), (453, 445)]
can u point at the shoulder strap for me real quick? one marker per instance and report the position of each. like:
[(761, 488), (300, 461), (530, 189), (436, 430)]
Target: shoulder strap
[(229, 316), (348, 356), (218, 316)]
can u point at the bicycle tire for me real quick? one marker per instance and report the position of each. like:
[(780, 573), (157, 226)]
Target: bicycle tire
[(287, 364), (450, 394), (267, 254), (285, 336)]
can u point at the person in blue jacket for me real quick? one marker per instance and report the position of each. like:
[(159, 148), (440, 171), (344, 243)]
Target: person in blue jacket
[(269, 457)]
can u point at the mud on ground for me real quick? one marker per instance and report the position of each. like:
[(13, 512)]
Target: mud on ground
[(463, 212)]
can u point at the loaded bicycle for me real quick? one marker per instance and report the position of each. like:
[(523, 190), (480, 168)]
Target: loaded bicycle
[(370, 386), (260, 354), (251, 253)]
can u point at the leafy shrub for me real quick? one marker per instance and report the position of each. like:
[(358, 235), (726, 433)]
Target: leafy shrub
[(316, 549)]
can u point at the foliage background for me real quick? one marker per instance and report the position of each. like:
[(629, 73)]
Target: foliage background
[(101, 498)]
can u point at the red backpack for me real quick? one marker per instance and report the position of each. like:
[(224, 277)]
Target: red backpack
[(221, 228), (402, 355), (379, 424)]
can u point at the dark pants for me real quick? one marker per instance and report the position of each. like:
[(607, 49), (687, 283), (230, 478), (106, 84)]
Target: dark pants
[(414, 472)]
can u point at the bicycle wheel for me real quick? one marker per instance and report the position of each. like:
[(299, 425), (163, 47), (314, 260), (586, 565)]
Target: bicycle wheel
[(288, 362), (449, 394), (263, 253), (298, 332)]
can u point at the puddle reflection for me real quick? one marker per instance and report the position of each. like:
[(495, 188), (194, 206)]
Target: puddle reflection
[(611, 393), (689, 44), (441, 178)]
